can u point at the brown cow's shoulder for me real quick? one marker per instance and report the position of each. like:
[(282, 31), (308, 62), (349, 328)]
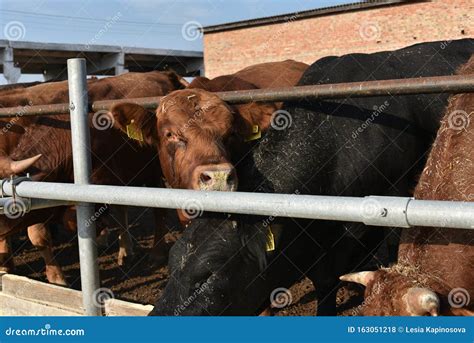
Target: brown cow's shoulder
[(273, 74)]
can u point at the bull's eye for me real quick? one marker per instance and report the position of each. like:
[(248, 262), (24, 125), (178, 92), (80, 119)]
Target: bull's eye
[(175, 140)]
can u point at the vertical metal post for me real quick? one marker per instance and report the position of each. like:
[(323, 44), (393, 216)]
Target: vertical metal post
[(80, 134)]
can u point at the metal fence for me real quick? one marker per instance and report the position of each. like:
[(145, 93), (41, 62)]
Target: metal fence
[(385, 211)]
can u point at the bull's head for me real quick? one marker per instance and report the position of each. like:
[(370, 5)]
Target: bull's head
[(190, 130), (193, 130), (390, 292)]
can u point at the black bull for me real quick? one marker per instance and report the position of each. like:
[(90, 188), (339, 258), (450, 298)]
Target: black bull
[(347, 147)]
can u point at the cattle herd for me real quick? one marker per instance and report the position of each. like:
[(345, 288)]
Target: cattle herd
[(227, 264)]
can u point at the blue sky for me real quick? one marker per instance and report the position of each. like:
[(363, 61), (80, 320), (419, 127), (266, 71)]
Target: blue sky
[(140, 23)]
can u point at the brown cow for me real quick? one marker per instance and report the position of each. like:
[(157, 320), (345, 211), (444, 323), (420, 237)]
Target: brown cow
[(273, 74), (117, 159), (198, 136), (435, 272)]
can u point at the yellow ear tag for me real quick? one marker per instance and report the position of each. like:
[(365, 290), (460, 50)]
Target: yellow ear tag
[(256, 134), (133, 132), (270, 240)]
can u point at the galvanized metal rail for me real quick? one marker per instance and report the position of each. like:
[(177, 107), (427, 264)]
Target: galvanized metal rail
[(371, 210), (18, 206), (426, 85)]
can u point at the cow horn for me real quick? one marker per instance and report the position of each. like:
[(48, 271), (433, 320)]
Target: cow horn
[(10, 167), (421, 301), (362, 278)]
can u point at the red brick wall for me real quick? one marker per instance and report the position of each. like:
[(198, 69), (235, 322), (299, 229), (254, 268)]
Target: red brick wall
[(307, 40)]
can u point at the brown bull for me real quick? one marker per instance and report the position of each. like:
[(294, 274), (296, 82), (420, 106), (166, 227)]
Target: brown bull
[(24, 94), (198, 136), (117, 159), (435, 272)]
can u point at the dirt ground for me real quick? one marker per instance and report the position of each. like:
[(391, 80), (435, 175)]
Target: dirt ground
[(142, 282)]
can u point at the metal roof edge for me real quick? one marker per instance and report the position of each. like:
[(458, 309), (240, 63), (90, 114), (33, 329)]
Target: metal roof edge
[(305, 14)]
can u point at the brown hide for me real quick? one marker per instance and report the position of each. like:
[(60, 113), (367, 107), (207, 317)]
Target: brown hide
[(273, 74)]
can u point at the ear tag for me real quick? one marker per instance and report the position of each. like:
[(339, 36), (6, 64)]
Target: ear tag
[(133, 132), (256, 134), (270, 240)]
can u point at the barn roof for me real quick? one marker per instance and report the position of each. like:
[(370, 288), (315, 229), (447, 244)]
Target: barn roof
[(51, 58)]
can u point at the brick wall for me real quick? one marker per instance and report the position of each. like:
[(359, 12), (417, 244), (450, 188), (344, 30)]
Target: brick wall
[(307, 40)]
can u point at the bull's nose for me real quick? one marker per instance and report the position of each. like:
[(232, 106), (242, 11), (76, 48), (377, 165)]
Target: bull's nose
[(220, 177)]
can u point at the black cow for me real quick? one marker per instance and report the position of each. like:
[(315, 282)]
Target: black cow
[(347, 147)]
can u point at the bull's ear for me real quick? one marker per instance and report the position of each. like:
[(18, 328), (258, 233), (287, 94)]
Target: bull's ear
[(421, 301), (253, 115), (136, 121), (178, 81), (265, 114)]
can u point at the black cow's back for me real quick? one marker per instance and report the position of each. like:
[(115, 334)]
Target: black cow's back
[(420, 60), (359, 146)]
